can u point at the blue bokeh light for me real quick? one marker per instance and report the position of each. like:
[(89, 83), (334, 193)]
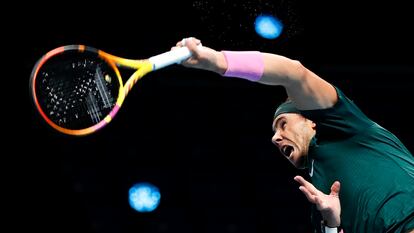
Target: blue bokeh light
[(144, 197), (268, 26)]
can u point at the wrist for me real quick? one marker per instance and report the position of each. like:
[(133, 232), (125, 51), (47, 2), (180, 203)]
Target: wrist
[(243, 64), (221, 63), (326, 228)]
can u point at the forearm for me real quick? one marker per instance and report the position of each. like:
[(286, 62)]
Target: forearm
[(266, 68)]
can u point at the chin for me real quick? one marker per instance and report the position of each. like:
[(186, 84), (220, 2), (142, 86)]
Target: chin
[(299, 163)]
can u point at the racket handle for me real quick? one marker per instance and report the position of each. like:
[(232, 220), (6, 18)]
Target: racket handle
[(170, 57)]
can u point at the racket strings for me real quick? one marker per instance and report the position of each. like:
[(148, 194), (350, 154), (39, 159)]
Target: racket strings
[(102, 88), (77, 93)]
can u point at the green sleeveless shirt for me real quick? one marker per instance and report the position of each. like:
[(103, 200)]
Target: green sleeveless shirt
[(375, 169)]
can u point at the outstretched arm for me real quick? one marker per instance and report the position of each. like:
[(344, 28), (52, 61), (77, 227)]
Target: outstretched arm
[(305, 88), (327, 204)]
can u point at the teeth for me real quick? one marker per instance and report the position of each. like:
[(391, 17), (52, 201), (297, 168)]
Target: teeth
[(284, 150)]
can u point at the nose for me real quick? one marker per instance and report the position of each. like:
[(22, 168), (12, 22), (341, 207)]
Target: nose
[(277, 138)]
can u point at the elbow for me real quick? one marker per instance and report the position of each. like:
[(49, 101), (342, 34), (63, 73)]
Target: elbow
[(282, 71), (297, 73), (299, 69)]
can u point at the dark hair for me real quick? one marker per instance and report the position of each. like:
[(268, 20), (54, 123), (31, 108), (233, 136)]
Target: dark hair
[(286, 107)]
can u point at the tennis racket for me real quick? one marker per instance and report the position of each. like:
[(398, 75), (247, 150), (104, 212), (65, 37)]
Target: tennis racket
[(79, 89)]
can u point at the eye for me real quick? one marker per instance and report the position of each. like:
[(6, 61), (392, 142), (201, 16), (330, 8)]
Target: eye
[(282, 124)]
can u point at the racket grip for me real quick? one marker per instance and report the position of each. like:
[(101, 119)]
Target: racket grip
[(170, 57)]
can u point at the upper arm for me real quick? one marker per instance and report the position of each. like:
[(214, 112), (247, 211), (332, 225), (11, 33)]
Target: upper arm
[(306, 89)]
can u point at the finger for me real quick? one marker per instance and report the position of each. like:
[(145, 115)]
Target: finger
[(196, 41), (185, 40), (311, 198), (306, 184), (336, 186), (191, 44), (191, 40)]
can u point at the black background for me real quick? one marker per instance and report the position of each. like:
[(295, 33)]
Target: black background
[(204, 140)]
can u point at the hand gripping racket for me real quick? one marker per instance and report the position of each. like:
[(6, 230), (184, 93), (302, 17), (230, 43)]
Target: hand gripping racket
[(79, 89)]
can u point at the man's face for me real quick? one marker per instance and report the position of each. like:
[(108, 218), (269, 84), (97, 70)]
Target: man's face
[(293, 133)]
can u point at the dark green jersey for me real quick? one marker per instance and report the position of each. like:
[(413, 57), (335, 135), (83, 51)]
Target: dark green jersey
[(375, 169)]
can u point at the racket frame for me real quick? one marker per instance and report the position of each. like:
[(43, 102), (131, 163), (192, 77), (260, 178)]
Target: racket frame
[(142, 67)]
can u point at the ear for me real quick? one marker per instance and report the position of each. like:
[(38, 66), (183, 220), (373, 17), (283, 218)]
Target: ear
[(313, 124)]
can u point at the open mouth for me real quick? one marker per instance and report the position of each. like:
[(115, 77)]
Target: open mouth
[(287, 150)]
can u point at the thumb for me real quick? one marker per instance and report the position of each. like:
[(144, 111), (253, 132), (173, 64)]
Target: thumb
[(336, 186)]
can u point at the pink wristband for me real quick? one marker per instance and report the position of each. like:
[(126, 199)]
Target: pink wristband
[(244, 64)]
